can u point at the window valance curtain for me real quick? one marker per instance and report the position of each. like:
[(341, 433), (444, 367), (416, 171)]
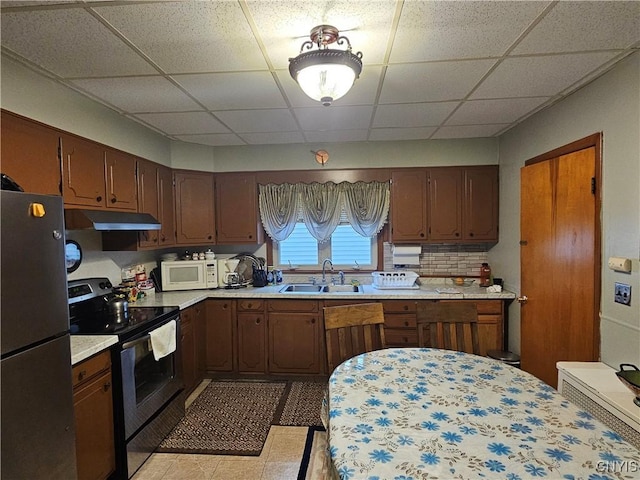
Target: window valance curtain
[(321, 206)]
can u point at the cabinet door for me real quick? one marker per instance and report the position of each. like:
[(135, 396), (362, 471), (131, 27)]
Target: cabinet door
[(408, 205), (147, 178), (251, 343), (445, 204), (166, 213), (95, 449), (200, 336), (195, 223), (481, 203), (237, 219), (188, 346), (220, 336), (30, 154), (82, 172), (295, 343), (120, 179)]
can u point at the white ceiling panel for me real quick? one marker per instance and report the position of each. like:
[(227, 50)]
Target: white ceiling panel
[(413, 114), (254, 121), (538, 76), (37, 37), (432, 82), (448, 30), (139, 94), (479, 112), (216, 72), (189, 36), (233, 91), (182, 123), (578, 26)]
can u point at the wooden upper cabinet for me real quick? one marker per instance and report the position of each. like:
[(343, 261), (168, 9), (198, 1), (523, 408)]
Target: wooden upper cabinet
[(29, 154), (96, 176), (237, 216), (120, 180), (409, 206), (82, 172), (148, 200), (166, 213), (481, 203), (194, 206), (445, 204)]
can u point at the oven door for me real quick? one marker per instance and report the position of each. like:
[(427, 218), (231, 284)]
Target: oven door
[(147, 384)]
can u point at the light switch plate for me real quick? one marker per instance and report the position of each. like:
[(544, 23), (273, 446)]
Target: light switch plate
[(622, 293)]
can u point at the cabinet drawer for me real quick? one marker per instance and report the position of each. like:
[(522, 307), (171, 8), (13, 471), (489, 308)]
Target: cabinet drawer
[(401, 337), (489, 306), (250, 305), (89, 368), (399, 306), (293, 306), (400, 321)]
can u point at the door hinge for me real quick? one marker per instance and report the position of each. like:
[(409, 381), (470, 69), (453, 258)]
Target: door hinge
[(593, 185)]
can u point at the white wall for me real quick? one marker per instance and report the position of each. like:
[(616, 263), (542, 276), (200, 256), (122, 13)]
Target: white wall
[(610, 105)]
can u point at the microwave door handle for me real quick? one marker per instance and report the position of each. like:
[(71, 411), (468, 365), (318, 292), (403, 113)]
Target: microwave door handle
[(133, 343)]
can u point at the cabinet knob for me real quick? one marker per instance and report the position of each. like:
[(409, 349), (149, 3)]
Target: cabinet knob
[(114, 199), (249, 305), (313, 320), (406, 307), (209, 237), (82, 374), (98, 198), (471, 234), (457, 234), (257, 321), (406, 324), (106, 386), (422, 234)]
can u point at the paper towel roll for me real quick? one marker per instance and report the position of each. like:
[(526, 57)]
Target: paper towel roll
[(406, 254)]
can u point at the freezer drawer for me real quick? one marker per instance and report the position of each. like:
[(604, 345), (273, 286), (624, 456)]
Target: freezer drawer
[(38, 435)]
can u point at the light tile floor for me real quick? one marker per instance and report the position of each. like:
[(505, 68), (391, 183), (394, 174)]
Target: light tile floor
[(279, 460)]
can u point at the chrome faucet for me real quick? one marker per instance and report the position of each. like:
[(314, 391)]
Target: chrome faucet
[(324, 265), (341, 275)]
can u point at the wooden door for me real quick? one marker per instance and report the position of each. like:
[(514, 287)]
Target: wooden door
[(408, 205), (560, 265), (148, 199), (30, 154), (445, 203), (82, 172)]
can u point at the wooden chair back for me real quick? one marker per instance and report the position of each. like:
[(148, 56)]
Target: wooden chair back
[(448, 325), (351, 330)]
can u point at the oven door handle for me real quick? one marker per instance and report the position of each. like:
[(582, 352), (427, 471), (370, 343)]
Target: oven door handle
[(133, 343)]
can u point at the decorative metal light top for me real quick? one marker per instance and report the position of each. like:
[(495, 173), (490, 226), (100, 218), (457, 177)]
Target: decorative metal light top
[(325, 74)]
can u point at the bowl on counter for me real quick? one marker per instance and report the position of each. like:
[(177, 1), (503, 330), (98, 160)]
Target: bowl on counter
[(462, 282)]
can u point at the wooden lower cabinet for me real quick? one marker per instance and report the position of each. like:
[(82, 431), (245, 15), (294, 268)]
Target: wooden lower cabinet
[(220, 334), (295, 343), (93, 408), (252, 332), (188, 347)]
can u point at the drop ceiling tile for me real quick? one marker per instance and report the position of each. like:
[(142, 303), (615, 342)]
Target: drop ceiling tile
[(538, 76), (468, 131), (453, 30), (412, 114), (580, 26), (494, 111), (233, 91), (391, 134), (432, 82), (184, 122), (189, 36), (337, 136), (284, 25), (334, 117), (139, 94), (253, 121), (69, 43), (215, 140), (272, 138)]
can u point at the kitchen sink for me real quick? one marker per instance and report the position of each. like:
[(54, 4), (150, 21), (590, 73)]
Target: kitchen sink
[(310, 288), (301, 287)]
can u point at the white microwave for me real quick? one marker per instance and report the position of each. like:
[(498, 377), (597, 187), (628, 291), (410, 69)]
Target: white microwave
[(189, 275)]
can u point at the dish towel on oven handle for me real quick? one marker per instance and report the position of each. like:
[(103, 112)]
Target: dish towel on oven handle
[(163, 340)]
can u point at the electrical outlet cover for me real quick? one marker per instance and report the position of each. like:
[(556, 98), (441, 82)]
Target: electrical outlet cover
[(622, 293)]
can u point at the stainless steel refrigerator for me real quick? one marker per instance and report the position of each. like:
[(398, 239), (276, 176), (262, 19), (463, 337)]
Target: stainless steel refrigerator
[(37, 432)]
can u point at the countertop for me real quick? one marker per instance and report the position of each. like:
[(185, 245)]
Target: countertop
[(84, 346)]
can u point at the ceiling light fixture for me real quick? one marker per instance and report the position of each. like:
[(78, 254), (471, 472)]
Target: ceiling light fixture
[(325, 74)]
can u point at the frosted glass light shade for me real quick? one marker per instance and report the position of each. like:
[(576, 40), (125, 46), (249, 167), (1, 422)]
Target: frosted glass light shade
[(326, 83)]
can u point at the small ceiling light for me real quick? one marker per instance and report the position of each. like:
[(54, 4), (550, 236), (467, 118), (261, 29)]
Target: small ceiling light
[(325, 74)]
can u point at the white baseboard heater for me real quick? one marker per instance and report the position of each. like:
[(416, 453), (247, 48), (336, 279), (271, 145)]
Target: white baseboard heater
[(595, 388)]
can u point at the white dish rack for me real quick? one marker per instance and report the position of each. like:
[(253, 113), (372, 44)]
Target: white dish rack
[(395, 280)]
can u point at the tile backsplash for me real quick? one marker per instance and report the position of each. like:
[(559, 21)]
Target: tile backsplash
[(444, 260)]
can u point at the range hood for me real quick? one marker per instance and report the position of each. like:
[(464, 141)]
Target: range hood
[(105, 220)]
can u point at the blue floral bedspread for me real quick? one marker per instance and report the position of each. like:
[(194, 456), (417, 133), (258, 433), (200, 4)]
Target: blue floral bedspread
[(410, 413)]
